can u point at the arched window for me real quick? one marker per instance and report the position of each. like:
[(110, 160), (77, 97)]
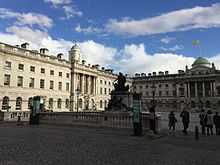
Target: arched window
[(30, 102), (18, 103), (67, 103), (50, 103), (101, 104), (80, 103), (59, 102), (5, 103)]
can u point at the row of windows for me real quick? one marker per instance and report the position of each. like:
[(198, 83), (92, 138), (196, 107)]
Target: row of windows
[(105, 82), (6, 103), (32, 69), (161, 94), (159, 86), (105, 91), (7, 78)]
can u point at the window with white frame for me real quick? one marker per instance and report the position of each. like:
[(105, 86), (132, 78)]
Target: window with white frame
[(59, 103), (18, 103), (31, 82), (60, 86), (21, 66), (42, 70), (42, 83), (7, 79), (67, 103), (7, 64), (51, 84), (67, 86), (32, 68), (20, 81), (5, 103)]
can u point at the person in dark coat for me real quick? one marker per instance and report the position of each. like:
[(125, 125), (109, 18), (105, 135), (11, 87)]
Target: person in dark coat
[(172, 120), (216, 120), (203, 120), (185, 120)]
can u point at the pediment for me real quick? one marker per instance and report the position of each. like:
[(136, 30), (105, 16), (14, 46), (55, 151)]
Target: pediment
[(198, 70)]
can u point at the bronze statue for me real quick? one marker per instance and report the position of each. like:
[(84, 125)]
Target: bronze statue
[(120, 86)]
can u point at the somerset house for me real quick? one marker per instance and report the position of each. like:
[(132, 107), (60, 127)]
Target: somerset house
[(74, 84)]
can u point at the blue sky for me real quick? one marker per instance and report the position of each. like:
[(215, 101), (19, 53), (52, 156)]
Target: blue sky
[(128, 35)]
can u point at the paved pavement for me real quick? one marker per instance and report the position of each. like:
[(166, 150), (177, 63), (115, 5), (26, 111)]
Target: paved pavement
[(67, 145)]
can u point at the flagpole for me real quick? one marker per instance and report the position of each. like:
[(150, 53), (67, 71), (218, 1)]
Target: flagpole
[(200, 51)]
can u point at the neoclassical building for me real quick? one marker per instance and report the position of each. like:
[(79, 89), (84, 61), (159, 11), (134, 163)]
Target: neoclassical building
[(195, 88), (64, 85)]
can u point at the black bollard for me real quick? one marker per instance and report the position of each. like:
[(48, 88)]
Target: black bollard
[(196, 133)]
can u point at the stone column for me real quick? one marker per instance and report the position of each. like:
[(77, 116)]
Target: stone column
[(196, 91), (89, 85), (177, 90), (203, 89), (72, 90), (188, 89), (211, 89), (82, 83), (214, 89), (92, 85)]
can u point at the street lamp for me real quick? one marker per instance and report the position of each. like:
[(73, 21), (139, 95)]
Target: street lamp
[(77, 101), (152, 114)]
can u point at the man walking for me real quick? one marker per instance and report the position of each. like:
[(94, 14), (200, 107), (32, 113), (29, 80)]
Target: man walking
[(185, 120), (216, 120)]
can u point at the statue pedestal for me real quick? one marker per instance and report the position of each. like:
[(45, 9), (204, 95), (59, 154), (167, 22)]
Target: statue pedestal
[(121, 101)]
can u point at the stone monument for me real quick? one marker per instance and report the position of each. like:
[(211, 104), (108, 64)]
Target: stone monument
[(121, 99)]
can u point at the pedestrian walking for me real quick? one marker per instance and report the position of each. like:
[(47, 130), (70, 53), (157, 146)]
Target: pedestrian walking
[(209, 122), (203, 120), (185, 120), (172, 120), (216, 121)]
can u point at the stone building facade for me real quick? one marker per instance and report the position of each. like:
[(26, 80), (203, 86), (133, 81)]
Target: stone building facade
[(194, 89), (63, 84)]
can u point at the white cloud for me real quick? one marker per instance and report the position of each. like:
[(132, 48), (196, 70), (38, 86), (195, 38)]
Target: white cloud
[(130, 59), (180, 20), (26, 33), (87, 30), (65, 5), (70, 12), (166, 40), (26, 18), (174, 48), (58, 2), (95, 53), (136, 59)]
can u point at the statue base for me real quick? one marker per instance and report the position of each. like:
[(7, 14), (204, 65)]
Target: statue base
[(121, 101)]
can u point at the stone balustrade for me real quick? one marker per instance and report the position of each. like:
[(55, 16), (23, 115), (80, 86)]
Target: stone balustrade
[(13, 115), (119, 120)]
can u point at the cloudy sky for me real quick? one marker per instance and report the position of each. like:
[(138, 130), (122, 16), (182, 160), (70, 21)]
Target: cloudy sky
[(125, 35)]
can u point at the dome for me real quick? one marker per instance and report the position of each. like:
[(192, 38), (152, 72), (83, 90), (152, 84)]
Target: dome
[(201, 61), (75, 47)]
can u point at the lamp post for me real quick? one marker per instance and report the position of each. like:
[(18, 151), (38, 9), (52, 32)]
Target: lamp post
[(77, 101), (152, 110)]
